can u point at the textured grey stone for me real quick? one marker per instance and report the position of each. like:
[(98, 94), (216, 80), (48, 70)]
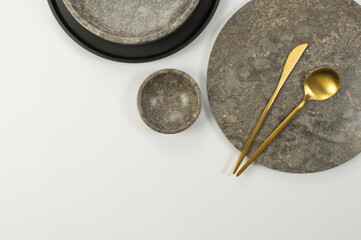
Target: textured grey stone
[(169, 101), (245, 67), (131, 21)]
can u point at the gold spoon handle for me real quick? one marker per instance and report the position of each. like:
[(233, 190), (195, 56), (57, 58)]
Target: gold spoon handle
[(270, 138), (255, 130)]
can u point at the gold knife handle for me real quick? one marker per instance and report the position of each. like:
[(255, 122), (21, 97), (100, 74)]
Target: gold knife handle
[(270, 138), (291, 62), (255, 130)]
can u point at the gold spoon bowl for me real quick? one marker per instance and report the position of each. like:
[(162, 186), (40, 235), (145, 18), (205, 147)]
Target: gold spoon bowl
[(322, 84)]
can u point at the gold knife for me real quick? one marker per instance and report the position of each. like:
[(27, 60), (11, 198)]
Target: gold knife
[(291, 62)]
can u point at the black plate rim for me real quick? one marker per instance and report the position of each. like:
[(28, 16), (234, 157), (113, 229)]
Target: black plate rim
[(152, 51)]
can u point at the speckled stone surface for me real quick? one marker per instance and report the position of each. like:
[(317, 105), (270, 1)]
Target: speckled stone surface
[(169, 101), (245, 67), (131, 21)]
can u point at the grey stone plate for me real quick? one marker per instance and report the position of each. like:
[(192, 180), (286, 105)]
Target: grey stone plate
[(169, 101), (245, 67), (131, 21)]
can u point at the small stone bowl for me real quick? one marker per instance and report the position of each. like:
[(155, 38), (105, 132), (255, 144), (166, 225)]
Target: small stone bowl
[(169, 101)]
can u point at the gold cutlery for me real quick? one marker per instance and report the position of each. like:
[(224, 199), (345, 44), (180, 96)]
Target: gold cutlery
[(291, 62), (320, 85)]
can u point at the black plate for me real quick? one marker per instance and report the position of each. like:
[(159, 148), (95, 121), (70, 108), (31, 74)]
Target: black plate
[(136, 53)]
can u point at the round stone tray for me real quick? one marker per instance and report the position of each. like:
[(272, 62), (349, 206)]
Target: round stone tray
[(129, 21), (245, 67)]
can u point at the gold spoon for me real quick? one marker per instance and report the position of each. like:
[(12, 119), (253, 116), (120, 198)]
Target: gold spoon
[(290, 64), (320, 85)]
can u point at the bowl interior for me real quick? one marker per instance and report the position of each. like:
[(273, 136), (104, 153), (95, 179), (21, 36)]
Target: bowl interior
[(169, 101)]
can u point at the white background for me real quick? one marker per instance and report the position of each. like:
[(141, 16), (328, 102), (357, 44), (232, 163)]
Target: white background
[(78, 163)]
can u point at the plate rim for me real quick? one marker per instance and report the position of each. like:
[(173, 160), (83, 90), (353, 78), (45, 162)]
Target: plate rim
[(152, 51), (128, 40)]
